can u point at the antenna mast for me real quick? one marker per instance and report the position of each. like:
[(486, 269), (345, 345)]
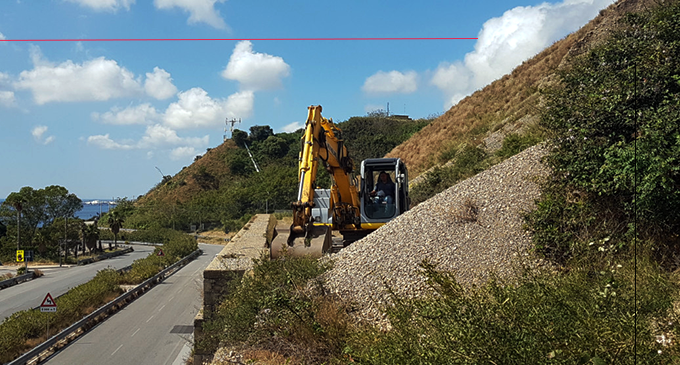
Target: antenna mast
[(231, 121)]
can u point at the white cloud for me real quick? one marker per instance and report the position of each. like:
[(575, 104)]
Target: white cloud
[(180, 153), (105, 142), (95, 80), (255, 71), (38, 133), (105, 5), (391, 82), (161, 136), (200, 11), (292, 127), (507, 41), (7, 99), (2, 36), (140, 114), (195, 109), (155, 137), (159, 84)]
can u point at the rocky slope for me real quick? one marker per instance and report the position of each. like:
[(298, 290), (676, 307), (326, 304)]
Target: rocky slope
[(473, 229)]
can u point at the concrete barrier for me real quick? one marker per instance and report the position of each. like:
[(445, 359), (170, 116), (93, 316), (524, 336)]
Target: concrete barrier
[(16, 280), (235, 259)]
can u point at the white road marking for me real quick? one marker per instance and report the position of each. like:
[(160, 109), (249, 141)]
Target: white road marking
[(147, 321), (161, 308), (171, 298), (121, 345), (134, 333)]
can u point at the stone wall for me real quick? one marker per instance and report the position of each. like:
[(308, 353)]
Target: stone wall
[(235, 259)]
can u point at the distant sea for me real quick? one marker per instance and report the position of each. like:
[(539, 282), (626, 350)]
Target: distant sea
[(91, 207)]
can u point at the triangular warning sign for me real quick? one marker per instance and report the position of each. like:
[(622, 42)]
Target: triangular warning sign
[(160, 252), (48, 301)]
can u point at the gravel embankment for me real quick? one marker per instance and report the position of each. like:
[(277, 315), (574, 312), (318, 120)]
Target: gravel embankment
[(444, 231)]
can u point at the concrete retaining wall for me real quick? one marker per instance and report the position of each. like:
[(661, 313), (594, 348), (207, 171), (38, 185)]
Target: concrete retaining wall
[(235, 259)]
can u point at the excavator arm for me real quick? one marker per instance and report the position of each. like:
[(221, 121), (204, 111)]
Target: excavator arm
[(322, 142)]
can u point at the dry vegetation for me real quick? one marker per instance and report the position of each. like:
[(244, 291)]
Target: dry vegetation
[(509, 102), (184, 185)]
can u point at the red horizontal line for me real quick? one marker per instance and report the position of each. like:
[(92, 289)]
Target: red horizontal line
[(228, 39)]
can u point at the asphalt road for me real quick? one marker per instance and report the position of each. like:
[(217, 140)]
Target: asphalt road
[(154, 329), (58, 281)]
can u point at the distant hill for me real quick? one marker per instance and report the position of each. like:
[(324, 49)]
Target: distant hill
[(222, 187), (508, 105)]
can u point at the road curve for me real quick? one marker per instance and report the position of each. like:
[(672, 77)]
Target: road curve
[(58, 281), (154, 329)]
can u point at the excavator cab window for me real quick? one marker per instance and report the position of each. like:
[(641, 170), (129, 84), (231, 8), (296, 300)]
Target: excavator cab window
[(381, 192)]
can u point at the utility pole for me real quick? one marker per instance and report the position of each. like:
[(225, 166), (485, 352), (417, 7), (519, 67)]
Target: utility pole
[(17, 206)]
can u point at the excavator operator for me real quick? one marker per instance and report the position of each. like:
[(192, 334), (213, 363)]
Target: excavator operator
[(384, 189)]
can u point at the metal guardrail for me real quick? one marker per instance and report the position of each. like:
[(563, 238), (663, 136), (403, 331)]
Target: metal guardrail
[(15, 280), (121, 300), (105, 256)]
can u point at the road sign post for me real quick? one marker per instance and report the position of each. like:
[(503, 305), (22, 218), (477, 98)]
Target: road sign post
[(48, 305)]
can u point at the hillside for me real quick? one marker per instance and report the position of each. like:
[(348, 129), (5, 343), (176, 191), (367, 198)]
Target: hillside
[(206, 173), (508, 105)]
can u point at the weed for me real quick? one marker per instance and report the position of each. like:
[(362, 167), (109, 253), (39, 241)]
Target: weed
[(468, 212)]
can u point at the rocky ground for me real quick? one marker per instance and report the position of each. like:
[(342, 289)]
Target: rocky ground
[(473, 229)]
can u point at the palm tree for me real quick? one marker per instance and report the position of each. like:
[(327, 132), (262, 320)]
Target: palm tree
[(115, 223), (90, 236)]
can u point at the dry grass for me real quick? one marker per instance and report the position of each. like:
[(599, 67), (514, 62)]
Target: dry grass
[(466, 213), (182, 187), (507, 99)]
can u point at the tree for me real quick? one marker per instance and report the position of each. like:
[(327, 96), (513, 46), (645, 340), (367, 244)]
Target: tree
[(115, 223), (239, 137), (90, 235), (260, 132), (59, 203)]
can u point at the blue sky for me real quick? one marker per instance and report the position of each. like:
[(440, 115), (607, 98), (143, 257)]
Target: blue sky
[(99, 117)]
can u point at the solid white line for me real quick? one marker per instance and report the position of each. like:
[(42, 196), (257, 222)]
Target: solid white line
[(121, 345), (134, 333), (147, 321)]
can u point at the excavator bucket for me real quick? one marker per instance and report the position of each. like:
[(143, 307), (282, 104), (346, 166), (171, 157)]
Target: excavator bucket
[(314, 244)]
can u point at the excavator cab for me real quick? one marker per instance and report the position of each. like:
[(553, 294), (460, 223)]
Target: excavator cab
[(384, 191)]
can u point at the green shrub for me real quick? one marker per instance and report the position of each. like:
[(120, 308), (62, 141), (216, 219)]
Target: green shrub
[(613, 124), (468, 162), (584, 316), (516, 143), (279, 308)]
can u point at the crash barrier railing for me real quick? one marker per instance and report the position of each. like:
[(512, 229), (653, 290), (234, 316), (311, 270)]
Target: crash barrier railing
[(105, 256), (16, 280), (122, 270), (118, 302), (133, 243)]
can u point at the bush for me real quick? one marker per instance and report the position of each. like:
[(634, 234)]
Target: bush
[(581, 317), (468, 162), (613, 123), (516, 143), (279, 308)]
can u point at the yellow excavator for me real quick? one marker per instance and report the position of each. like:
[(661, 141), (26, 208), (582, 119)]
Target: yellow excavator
[(353, 206)]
